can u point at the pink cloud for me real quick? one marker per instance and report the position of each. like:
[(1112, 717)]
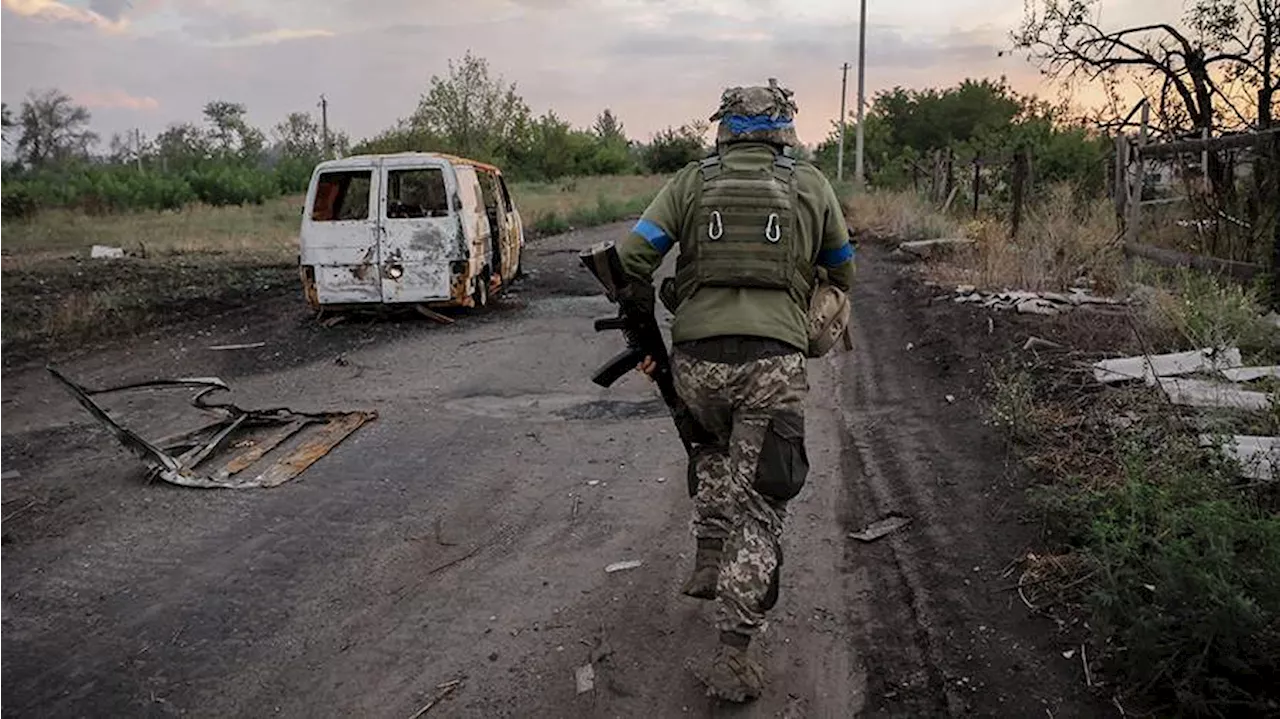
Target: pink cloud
[(54, 11), (117, 99)]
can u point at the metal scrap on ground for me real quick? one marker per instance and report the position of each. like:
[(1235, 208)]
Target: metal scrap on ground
[(1258, 457), (623, 566), (199, 458), (880, 528), (585, 678), (928, 249)]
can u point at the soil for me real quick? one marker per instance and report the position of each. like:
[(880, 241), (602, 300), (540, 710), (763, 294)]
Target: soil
[(464, 534)]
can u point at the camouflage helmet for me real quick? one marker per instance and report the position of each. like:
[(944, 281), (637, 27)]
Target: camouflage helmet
[(757, 114)]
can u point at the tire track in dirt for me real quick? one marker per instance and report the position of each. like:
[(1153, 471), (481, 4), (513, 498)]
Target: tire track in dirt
[(938, 638)]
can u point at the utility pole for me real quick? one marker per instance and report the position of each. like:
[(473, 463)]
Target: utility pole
[(324, 125), (844, 83), (858, 179), (137, 147)]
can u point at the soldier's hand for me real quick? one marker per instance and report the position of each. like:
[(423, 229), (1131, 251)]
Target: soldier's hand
[(647, 367)]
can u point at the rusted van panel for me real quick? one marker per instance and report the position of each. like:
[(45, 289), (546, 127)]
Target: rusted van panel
[(408, 228)]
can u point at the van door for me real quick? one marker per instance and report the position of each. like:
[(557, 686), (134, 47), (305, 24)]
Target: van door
[(339, 238), (473, 214), (419, 232), (515, 231)]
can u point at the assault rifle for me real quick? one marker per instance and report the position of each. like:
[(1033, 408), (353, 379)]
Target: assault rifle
[(644, 339)]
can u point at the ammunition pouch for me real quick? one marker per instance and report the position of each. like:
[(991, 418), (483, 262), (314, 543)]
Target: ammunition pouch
[(783, 466)]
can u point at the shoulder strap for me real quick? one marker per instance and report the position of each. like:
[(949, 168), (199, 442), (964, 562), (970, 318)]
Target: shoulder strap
[(784, 168), (709, 167)]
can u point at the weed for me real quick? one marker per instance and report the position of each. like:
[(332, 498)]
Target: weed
[(1013, 405), (1188, 590), (898, 216), (1206, 311)]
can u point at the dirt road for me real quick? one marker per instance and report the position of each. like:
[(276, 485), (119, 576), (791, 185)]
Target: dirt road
[(464, 534)]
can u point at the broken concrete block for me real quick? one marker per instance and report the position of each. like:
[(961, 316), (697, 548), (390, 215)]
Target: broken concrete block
[(1259, 457), (1166, 365), (1249, 374), (1036, 306), (1202, 393), (102, 252)]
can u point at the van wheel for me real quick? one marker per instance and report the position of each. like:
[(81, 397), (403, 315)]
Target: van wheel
[(480, 295)]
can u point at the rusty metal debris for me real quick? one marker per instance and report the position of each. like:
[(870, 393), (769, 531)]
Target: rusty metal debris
[(881, 528), (206, 457)]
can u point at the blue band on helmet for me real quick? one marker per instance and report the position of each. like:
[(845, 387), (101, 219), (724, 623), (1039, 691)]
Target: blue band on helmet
[(838, 256), (739, 124), (654, 235)]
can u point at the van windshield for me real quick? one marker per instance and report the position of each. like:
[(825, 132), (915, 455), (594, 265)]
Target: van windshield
[(417, 193), (342, 196)]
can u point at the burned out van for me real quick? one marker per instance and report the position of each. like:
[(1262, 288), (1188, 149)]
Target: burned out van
[(408, 228)]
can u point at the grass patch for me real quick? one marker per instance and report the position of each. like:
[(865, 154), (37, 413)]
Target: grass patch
[(548, 208), (268, 232), (898, 216), (1205, 311), (1153, 544)]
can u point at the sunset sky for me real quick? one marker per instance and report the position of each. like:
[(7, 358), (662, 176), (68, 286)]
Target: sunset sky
[(146, 63)]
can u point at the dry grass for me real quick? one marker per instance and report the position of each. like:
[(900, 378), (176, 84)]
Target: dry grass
[(551, 206), (268, 231), (898, 216), (1061, 244)]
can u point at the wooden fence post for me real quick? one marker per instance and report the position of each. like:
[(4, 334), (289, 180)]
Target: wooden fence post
[(1021, 173), (977, 184)]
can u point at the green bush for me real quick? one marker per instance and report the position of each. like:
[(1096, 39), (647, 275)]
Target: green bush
[(233, 185), (1189, 589), (19, 202)]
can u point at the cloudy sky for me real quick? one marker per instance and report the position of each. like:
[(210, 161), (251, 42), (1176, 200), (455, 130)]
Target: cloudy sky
[(146, 63)]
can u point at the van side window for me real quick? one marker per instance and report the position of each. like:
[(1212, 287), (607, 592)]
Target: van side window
[(417, 193), (342, 196)]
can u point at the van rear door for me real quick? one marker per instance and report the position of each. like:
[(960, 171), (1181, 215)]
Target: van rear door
[(340, 233), (419, 231)]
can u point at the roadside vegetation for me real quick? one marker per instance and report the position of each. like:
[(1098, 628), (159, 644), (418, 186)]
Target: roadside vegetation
[(1158, 559)]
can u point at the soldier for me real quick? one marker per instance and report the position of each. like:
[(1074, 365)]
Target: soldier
[(756, 228)]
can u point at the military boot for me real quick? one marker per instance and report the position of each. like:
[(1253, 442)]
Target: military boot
[(706, 570), (732, 674)]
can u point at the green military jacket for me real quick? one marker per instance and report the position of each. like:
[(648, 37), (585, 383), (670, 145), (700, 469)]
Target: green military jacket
[(718, 311)]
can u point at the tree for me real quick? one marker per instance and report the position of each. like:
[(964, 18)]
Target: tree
[(608, 128), (53, 129), (471, 113), (231, 134), (182, 146), (299, 136), (1216, 72), (6, 120), (673, 148)]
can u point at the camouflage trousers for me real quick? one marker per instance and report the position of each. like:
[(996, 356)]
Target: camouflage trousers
[(756, 412)]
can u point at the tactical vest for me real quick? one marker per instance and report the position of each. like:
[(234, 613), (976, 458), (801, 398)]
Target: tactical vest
[(744, 232)]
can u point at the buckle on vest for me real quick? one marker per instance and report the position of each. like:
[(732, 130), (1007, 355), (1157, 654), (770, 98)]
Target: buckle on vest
[(715, 228), (773, 228)]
